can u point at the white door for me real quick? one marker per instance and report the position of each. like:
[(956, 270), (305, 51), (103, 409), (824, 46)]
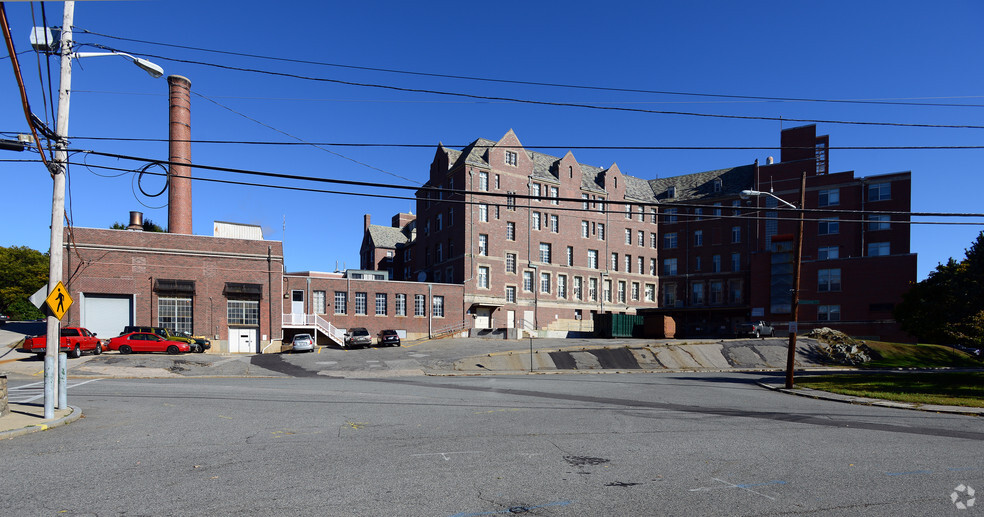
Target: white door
[(528, 320), (242, 341), (106, 314), (510, 319), (482, 317), (297, 307)]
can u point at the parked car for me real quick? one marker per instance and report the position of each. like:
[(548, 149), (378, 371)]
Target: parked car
[(74, 340), (199, 345), (302, 343), (4, 319), (165, 333), (756, 329), (358, 336), (388, 338), (147, 342)]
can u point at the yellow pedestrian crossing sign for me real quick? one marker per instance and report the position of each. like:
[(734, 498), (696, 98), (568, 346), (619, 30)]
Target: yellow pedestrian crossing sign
[(59, 301)]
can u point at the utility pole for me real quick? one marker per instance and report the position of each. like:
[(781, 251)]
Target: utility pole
[(58, 171), (791, 353)]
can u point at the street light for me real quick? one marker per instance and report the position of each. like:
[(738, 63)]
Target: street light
[(57, 169), (791, 352)]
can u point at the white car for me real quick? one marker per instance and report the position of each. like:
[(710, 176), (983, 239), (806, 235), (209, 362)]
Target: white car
[(302, 343)]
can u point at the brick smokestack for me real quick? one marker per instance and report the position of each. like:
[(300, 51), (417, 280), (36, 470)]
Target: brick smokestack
[(179, 152), (365, 219)]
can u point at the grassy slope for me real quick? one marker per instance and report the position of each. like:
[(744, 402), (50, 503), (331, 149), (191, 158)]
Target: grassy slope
[(897, 355), (947, 388)]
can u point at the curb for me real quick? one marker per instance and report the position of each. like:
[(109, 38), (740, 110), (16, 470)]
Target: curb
[(65, 420), (850, 399)]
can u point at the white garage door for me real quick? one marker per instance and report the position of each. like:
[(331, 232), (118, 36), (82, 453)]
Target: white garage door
[(243, 340), (106, 314)]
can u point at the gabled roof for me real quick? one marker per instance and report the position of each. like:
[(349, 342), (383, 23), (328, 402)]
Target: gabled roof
[(386, 236), (700, 185)]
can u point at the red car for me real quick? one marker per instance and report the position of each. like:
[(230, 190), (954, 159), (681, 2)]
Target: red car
[(74, 340), (146, 342)]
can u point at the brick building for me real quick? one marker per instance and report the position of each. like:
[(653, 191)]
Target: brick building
[(383, 247), (225, 288), (544, 242)]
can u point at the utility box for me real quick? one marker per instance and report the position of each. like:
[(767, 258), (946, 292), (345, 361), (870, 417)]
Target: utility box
[(618, 325)]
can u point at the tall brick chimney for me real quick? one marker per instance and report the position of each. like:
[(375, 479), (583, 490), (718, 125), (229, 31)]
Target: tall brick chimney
[(179, 152), (365, 219)]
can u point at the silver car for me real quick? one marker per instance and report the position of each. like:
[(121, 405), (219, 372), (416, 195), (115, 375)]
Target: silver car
[(302, 343)]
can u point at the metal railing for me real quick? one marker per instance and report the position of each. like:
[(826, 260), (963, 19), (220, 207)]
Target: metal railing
[(448, 331), (313, 320)]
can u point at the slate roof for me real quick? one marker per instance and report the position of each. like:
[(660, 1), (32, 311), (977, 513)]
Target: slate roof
[(386, 236), (700, 185)]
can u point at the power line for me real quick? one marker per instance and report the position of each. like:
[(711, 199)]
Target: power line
[(550, 103), (893, 102)]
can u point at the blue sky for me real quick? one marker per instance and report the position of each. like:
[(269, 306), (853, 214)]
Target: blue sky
[(915, 51)]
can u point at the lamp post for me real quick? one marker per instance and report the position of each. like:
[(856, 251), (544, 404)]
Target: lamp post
[(57, 170), (791, 351)]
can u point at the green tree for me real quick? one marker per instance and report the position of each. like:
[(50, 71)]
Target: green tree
[(22, 272), (948, 306), (148, 226)]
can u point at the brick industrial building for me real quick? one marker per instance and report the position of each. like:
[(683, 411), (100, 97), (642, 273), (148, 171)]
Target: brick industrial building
[(544, 242)]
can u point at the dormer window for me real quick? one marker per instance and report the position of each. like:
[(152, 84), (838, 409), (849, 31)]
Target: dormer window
[(511, 158), (671, 192), (717, 184)]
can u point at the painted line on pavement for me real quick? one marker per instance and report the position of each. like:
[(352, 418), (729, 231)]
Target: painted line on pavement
[(70, 386)]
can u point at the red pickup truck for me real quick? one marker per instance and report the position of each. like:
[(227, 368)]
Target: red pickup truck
[(74, 340)]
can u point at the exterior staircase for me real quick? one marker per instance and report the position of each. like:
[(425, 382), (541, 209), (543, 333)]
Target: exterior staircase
[(314, 321)]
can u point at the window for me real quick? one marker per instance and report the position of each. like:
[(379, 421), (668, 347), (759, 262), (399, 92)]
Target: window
[(319, 298), (717, 209), (734, 207), (697, 263), (511, 294), (483, 277), (671, 192), (511, 200), (736, 262), (608, 290), (601, 231), (642, 214), (578, 286), (828, 252), (828, 280), (497, 182), (734, 291), (593, 259), (593, 289), (697, 294), (879, 191), (628, 236), (669, 240), (584, 229), (535, 189), (437, 306), (439, 253), (545, 252), (628, 211), (717, 292), (510, 231), (642, 264), (829, 313), (621, 291), (698, 212), (671, 216), (381, 304), (483, 213), (554, 224), (510, 262), (735, 234), (652, 240), (614, 265), (642, 238), (528, 281), (652, 213), (584, 202), (243, 312), (651, 293), (561, 286), (699, 238), (555, 193), (669, 295), (483, 244), (878, 249), (879, 222), (652, 266), (828, 226), (341, 301), (175, 314), (419, 305), (544, 282), (360, 303), (670, 266), (829, 197), (628, 263), (570, 255), (716, 263), (536, 220), (511, 158), (635, 290), (401, 305), (718, 184), (440, 222), (483, 181)]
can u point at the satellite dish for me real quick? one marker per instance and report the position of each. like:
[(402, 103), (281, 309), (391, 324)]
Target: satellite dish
[(422, 276)]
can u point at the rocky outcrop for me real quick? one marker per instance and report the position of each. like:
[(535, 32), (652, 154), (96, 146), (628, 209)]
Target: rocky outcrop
[(839, 348)]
